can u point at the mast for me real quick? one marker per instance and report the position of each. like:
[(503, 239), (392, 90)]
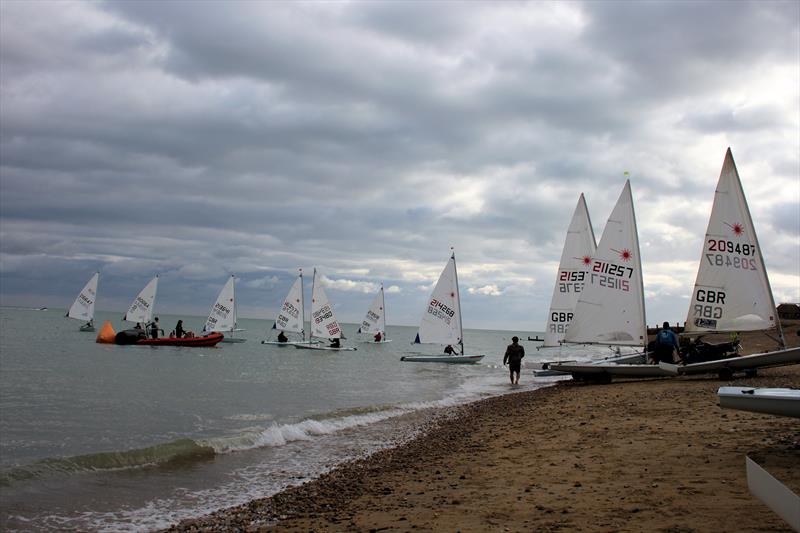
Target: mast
[(458, 302), (302, 307), (313, 283), (235, 303), (383, 305), (639, 259)]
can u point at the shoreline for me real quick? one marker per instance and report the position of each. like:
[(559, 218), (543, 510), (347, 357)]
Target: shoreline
[(627, 456)]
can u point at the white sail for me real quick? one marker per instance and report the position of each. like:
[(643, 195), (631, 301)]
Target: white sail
[(290, 317), (576, 260), (141, 310), (375, 321), (732, 291), (610, 309), (83, 307), (323, 321), (441, 321), (223, 312)]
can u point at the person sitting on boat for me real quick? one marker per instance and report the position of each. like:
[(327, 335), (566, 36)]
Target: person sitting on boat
[(449, 350), (335, 343), (665, 345), (378, 337), (155, 328), (138, 325), (282, 337), (89, 324), (179, 331)]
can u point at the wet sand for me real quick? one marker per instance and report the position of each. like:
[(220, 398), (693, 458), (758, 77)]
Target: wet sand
[(647, 455)]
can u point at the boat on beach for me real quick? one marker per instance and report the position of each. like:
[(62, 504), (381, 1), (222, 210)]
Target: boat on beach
[(83, 306), (772, 401), (323, 321), (610, 309), (441, 321), (732, 292)]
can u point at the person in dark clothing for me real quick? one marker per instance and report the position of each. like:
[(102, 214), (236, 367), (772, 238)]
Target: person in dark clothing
[(378, 337), (449, 350), (282, 337), (155, 328), (335, 343), (179, 331), (666, 344), (513, 357)]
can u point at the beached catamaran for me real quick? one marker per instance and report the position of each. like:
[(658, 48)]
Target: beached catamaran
[(732, 292), (441, 321), (576, 259), (291, 317), (375, 321), (323, 321), (223, 315), (83, 306)]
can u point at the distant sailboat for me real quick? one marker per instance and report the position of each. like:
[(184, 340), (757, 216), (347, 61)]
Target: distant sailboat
[(573, 269), (291, 317), (375, 321), (83, 307), (441, 321), (323, 320), (141, 309), (223, 313)]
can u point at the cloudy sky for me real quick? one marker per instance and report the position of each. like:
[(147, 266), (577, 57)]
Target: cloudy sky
[(199, 139)]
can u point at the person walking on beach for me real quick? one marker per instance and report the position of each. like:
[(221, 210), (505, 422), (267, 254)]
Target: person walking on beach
[(666, 345), (513, 358)]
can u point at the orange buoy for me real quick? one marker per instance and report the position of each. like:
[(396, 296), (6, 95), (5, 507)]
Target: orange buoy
[(107, 333)]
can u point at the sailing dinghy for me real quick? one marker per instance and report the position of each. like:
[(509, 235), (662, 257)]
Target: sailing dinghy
[(441, 321), (732, 292), (323, 321), (576, 259), (141, 309), (223, 314), (291, 317), (375, 321), (610, 309), (83, 306)]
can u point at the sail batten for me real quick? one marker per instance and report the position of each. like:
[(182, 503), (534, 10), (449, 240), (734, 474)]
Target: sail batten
[(731, 291), (610, 308), (579, 247)]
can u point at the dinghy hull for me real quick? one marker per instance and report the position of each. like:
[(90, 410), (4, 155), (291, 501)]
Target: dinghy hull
[(449, 359), (780, 402)]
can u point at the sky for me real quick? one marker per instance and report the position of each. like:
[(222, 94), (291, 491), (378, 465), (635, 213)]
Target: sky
[(198, 139)]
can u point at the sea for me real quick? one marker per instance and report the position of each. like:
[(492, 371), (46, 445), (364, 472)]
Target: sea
[(98, 437)]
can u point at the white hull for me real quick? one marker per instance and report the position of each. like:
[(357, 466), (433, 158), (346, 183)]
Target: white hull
[(87, 328), (780, 402), (289, 343), (378, 342), (773, 493), (547, 368), (233, 339), (745, 362), (451, 359), (328, 348), (611, 370)]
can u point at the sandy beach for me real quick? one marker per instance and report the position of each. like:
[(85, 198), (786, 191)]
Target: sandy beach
[(647, 455)]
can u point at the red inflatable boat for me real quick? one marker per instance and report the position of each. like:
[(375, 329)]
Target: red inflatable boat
[(206, 340)]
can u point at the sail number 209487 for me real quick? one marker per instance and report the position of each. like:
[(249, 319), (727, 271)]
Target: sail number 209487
[(720, 260)]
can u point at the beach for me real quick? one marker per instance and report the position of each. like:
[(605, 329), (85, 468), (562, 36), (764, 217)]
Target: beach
[(633, 455)]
